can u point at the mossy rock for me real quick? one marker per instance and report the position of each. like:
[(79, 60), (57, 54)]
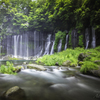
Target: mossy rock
[(66, 63), (18, 69), (73, 65), (95, 72), (35, 66), (14, 93), (82, 56), (80, 63), (97, 62)]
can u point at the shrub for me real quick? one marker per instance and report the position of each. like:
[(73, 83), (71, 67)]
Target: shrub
[(87, 66), (8, 68)]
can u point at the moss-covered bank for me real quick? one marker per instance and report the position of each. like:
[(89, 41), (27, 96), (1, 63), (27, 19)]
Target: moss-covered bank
[(88, 59)]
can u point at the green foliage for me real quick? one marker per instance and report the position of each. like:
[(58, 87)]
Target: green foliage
[(88, 66), (8, 68), (59, 35), (81, 41), (68, 54), (91, 62)]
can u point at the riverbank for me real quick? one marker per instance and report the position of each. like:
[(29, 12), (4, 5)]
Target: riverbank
[(87, 59)]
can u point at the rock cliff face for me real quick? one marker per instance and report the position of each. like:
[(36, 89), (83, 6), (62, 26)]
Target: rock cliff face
[(38, 44)]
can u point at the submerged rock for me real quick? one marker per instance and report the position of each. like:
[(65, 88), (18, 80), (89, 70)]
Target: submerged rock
[(35, 66), (14, 93)]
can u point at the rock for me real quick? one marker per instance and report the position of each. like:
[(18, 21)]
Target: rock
[(95, 72), (73, 65), (25, 65), (82, 56), (80, 63), (14, 93), (57, 64), (97, 62), (35, 66), (97, 96), (18, 69), (67, 63)]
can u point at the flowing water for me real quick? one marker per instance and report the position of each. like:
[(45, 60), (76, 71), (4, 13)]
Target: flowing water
[(54, 84), (93, 38), (59, 45), (66, 42), (87, 38)]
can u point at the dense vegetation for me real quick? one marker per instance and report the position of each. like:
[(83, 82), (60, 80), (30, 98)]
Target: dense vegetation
[(18, 16), (9, 68), (91, 61)]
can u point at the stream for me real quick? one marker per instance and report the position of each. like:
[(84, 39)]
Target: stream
[(54, 84)]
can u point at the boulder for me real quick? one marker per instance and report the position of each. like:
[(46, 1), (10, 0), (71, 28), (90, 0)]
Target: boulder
[(14, 93), (35, 66), (97, 62), (82, 56), (18, 69), (66, 63), (57, 64), (95, 72)]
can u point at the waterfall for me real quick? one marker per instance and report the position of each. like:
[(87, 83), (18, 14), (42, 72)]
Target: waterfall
[(93, 38), (20, 45), (87, 38), (52, 49), (16, 39), (66, 42), (59, 45), (47, 46), (0, 47), (29, 44)]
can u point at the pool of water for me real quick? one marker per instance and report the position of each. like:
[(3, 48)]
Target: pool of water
[(17, 62)]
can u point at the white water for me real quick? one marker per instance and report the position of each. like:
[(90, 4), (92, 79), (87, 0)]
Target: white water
[(52, 49), (87, 38), (20, 45), (59, 45), (47, 46), (93, 38), (66, 42), (16, 40)]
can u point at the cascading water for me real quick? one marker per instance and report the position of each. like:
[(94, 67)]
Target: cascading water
[(20, 45), (66, 42), (47, 46), (87, 38), (59, 45), (52, 49), (93, 38), (16, 39)]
